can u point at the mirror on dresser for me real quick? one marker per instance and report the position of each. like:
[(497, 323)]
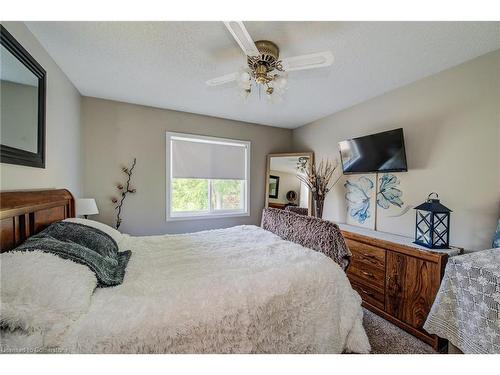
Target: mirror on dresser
[(283, 189)]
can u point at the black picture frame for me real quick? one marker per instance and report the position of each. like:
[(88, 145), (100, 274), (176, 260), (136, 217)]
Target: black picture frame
[(12, 155), (277, 180)]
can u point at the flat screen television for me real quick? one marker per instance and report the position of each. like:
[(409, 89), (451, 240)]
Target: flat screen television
[(381, 152)]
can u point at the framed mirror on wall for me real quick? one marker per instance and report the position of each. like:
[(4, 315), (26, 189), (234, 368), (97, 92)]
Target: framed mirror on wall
[(283, 189), (22, 105)]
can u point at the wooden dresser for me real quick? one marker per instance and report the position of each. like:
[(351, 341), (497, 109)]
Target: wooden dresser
[(281, 206), (395, 278)]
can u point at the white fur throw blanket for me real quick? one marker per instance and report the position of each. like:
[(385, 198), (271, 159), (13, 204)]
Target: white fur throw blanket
[(235, 290)]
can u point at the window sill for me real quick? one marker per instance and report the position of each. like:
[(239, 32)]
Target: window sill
[(207, 216)]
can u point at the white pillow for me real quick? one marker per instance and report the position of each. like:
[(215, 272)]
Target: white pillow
[(41, 291), (112, 232)]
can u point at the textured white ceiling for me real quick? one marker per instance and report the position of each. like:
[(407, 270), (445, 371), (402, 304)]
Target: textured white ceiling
[(166, 64)]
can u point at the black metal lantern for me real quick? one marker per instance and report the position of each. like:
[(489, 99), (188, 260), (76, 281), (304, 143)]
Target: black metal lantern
[(433, 224)]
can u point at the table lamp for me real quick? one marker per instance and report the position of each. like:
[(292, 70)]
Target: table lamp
[(85, 207)]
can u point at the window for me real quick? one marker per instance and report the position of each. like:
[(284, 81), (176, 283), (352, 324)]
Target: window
[(207, 177)]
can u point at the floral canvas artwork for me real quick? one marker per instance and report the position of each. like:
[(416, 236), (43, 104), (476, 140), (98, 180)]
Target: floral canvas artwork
[(360, 199), (389, 192), (394, 205), (373, 195)]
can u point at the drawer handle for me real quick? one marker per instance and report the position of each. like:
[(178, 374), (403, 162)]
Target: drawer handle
[(367, 274), (370, 256), (367, 293)]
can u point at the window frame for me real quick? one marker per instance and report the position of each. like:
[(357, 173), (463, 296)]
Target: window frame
[(197, 215)]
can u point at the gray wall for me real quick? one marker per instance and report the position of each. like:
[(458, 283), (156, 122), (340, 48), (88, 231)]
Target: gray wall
[(451, 122), (115, 133), (63, 135)]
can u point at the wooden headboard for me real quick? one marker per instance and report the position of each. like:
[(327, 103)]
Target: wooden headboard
[(25, 213)]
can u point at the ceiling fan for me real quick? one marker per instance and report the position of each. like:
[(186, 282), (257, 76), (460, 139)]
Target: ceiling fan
[(264, 63)]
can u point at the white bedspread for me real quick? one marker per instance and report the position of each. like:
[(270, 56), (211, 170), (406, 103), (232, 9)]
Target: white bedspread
[(236, 290)]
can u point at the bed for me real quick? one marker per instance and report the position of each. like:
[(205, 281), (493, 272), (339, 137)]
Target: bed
[(236, 290), (466, 310)]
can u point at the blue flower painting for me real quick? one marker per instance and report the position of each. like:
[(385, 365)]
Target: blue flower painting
[(358, 198), (389, 194)]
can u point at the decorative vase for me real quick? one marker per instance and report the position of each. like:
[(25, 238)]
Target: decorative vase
[(318, 180), (318, 208)]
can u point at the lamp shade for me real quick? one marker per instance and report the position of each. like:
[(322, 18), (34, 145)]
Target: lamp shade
[(86, 206)]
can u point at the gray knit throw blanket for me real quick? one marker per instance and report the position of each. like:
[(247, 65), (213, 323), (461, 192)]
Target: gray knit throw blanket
[(313, 233), (84, 245)]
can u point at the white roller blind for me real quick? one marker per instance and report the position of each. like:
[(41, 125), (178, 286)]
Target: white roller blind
[(194, 158)]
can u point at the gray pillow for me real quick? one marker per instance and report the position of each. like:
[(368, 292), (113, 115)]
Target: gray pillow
[(83, 235), (84, 245)]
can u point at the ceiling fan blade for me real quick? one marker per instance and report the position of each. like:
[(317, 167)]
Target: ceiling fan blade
[(311, 61), (222, 79), (240, 33)]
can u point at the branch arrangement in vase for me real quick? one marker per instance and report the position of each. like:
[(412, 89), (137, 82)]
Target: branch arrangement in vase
[(124, 191), (318, 181)]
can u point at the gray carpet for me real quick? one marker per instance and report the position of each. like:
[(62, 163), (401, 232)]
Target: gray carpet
[(386, 338)]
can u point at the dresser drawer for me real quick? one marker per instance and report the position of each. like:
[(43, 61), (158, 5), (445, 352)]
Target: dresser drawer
[(366, 254), (368, 294), (367, 274)]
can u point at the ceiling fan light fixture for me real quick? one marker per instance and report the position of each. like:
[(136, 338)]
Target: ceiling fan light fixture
[(244, 79), (265, 69), (281, 81), (245, 76), (260, 75), (276, 97)]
